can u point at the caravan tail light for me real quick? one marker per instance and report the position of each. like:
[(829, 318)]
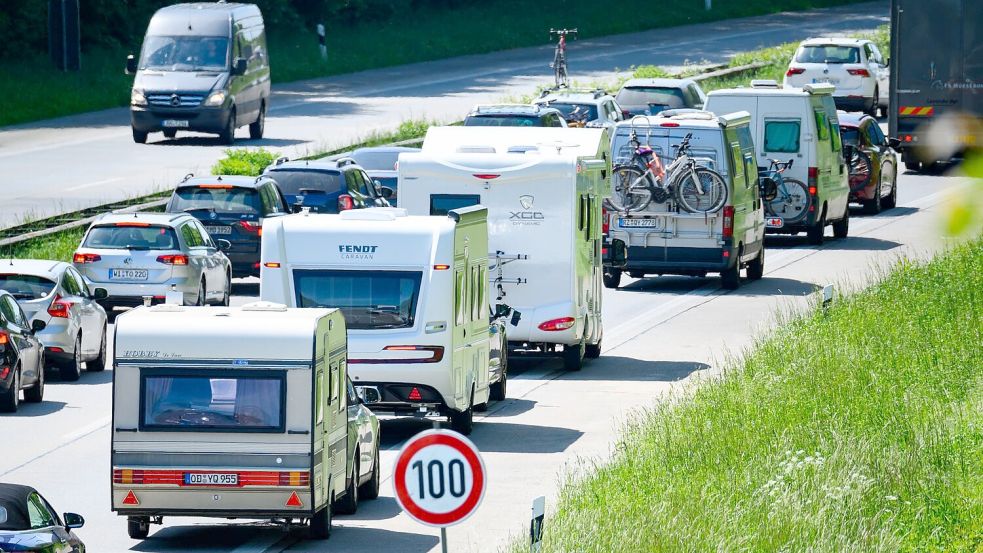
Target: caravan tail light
[(553, 325), (813, 187), (172, 259), (60, 308), (794, 71), (728, 221), (486, 176), (345, 202), (669, 125), (859, 72), (294, 500), (605, 222), (82, 258)]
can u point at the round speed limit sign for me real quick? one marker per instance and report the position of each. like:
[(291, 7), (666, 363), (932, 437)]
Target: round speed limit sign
[(439, 478)]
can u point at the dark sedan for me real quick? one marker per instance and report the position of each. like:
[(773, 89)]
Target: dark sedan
[(21, 355), (873, 171), (28, 523)]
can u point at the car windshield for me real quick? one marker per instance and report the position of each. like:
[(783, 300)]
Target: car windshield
[(368, 299), (376, 161), (828, 54), (503, 121), (217, 199), (212, 402), (131, 237), (295, 182), (185, 53), (667, 97), (26, 287), (575, 111)]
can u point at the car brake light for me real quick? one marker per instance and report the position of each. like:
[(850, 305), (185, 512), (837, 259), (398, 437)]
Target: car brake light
[(859, 72), (173, 259), (669, 125), (251, 227), (345, 202), (81, 258), (553, 325), (415, 395), (131, 224), (60, 307), (605, 222), (728, 221), (219, 186), (795, 71), (486, 176), (4, 372)]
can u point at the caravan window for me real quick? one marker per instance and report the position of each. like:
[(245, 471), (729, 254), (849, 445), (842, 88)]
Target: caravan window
[(212, 401), (368, 299), (440, 204), (782, 136)]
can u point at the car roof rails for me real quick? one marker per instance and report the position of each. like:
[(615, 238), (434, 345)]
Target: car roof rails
[(281, 160), (345, 161)]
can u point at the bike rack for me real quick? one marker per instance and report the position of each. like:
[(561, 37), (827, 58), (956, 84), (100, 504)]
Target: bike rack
[(501, 259)]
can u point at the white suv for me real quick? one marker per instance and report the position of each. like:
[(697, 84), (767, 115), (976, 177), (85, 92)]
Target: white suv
[(594, 108), (854, 66)]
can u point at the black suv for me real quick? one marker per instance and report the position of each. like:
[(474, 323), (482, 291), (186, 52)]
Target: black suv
[(514, 115), (231, 208), (327, 186)]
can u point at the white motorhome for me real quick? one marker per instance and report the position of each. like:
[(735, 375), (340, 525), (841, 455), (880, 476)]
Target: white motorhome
[(230, 413), (543, 189), (414, 292)]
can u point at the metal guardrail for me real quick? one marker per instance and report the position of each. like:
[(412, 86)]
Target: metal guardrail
[(85, 219), (728, 71)]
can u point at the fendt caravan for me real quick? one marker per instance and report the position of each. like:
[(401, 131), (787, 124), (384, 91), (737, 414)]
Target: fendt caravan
[(414, 291), (543, 189), (229, 413)]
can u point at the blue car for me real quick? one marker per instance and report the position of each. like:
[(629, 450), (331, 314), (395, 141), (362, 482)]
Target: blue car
[(327, 186)]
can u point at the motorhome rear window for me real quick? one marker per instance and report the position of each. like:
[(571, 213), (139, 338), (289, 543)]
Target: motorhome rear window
[(782, 136), (125, 237), (370, 300), (440, 204), (212, 401)]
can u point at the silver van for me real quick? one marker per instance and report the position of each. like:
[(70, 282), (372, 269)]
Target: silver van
[(203, 67)]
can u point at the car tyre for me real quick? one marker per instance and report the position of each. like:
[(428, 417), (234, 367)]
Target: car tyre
[(593, 351), (463, 421), (139, 137), (170, 133), (573, 357), (320, 528), (228, 134), (875, 102), (841, 228), (99, 363), (730, 278), (612, 278), (138, 528), (35, 394), (257, 128), (349, 502), (497, 391), (914, 166), (72, 370), (10, 400), (891, 200), (756, 268), (227, 298), (370, 489), (816, 233)]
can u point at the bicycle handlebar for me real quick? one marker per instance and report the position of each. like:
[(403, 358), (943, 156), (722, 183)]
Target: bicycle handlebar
[(779, 165), (562, 32)]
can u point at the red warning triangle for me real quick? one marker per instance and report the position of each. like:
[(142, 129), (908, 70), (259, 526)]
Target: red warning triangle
[(130, 499), (293, 500), (415, 395)]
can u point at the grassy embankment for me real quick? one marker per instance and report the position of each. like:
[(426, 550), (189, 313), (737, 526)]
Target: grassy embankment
[(33, 90), (855, 429)]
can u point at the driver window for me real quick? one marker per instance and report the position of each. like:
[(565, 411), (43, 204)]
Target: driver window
[(38, 513), (206, 239)]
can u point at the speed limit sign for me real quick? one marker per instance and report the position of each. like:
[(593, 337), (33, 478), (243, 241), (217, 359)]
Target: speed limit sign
[(439, 478)]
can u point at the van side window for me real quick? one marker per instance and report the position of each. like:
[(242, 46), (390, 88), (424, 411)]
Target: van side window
[(473, 296), (319, 397), (460, 291), (737, 161), (834, 130), (822, 125), (440, 204), (782, 136)]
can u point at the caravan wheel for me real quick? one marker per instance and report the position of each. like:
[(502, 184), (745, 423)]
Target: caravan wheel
[(321, 523), (573, 357), (138, 528), (463, 421)]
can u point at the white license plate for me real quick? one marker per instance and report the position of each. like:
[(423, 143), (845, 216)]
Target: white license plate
[(774, 222), (218, 230), (211, 479), (640, 223), (127, 274), (826, 80), (175, 123)]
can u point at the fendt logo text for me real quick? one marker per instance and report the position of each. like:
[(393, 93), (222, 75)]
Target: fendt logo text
[(356, 251)]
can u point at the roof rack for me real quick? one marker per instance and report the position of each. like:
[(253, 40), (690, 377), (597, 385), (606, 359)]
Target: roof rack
[(281, 160), (596, 92)]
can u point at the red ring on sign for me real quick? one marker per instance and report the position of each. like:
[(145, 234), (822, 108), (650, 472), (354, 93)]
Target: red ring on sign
[(403, 497)]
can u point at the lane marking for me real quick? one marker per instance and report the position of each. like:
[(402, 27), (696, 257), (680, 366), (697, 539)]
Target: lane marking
[(66, 440)]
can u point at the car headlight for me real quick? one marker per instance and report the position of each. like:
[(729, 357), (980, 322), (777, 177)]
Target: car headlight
[(137, 98), (216, 98)]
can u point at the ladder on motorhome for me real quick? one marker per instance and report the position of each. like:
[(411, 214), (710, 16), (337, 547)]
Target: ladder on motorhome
[(501, 259)]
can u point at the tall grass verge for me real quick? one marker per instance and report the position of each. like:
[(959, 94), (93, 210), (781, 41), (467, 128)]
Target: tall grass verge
[(859, 428), (56, 247)]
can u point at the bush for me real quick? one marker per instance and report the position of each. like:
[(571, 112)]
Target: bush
[(242, 161)]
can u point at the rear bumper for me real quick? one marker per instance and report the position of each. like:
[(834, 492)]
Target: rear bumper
[(210, 120), (223, 502), (244, 264), (131, 294), (394, 399), (853, 103), (671, 260)]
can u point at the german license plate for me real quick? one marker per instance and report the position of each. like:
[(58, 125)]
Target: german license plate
[(774, 222), (175, 123), (211, 479), (654, 222), (218, 230), (127, 274), (826, 80)]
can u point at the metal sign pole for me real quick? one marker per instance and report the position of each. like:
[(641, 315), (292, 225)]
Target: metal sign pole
[(443, 539)]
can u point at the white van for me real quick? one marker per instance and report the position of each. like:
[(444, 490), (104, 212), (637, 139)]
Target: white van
[(229, 413), (414, 292), (543, 189), (798, 124)]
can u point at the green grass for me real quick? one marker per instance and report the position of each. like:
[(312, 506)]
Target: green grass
[(857, 429), (57, 247), (244, 161)]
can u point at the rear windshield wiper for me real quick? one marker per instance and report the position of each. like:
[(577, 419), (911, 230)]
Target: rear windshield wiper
[(137, 248)]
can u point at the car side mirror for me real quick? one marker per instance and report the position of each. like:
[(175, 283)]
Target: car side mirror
[(239, 66), (38, 325), (368, 395), (223, 244), (768, 188), (100, 294), (131, 65), (73, 520), (516, 317), (387, 192), (894, 142)]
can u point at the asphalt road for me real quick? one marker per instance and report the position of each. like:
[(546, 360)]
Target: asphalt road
[(64, 164), (661, 334)]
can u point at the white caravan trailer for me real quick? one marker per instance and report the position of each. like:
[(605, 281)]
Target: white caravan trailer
[(543, 188), (229, 412), (414, 292)]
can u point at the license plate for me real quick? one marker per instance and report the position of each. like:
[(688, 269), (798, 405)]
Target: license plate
[(128, 274), (774, 222), (218, 230), (640, 223), (211, 479), (175, 123), (826, 80)]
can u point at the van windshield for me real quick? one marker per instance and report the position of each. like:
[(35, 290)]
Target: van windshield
[(212, 401), (185, 53), (370, 300)]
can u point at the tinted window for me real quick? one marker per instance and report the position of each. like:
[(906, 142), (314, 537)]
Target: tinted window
[(11, 312), (294, 182), (219, 198), (150, 237), (69, 285), (828, 54), (782, 136), (192, 236), (440, 204), (185, 53), (206, 239), (502, 121), (38, 512), (368, 299), (26, 287), (663, 97), (79, 281), (376, 161), (366, 186), (212, 402), (575, 111), (876, 136)]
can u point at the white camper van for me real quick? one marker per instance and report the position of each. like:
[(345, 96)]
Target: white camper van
[(229, 412), (543, 188), (414, 291)]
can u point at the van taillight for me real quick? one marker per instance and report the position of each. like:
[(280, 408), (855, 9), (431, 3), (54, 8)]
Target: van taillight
[(82, 258), (605, 222), (345, 202), (554, 325), (59, 308), (728, 221), (813, 186)]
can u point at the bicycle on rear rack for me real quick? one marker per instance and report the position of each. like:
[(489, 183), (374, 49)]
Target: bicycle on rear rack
[(559, 64), (791, 201)]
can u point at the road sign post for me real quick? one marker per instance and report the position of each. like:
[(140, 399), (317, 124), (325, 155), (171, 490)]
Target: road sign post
[(439, 479)]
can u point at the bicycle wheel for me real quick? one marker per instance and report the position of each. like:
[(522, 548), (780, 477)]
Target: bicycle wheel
[(791, 203), (714, 191), (631, 191), (861, 168)]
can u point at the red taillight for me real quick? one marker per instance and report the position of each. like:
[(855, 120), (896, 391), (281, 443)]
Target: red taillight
[(859, 72), (605, 222), (4, 338), (86, 258), (345, 202), (669, 124), (794, 71), (553, 325), (907, 138), (813, 187), (4, 373), (172, 259), (415, 395), (56, 350), (251, 227), (486, 176), (256, 265), (728, 221), (60, 307)]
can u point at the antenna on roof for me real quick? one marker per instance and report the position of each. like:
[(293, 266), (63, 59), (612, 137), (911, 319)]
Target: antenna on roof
[(188, 176)]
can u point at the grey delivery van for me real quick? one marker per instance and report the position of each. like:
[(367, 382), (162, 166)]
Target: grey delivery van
[(203, 67)]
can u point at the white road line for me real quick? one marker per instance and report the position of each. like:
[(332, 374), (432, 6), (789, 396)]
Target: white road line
[(92, 184), (66, 440)]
